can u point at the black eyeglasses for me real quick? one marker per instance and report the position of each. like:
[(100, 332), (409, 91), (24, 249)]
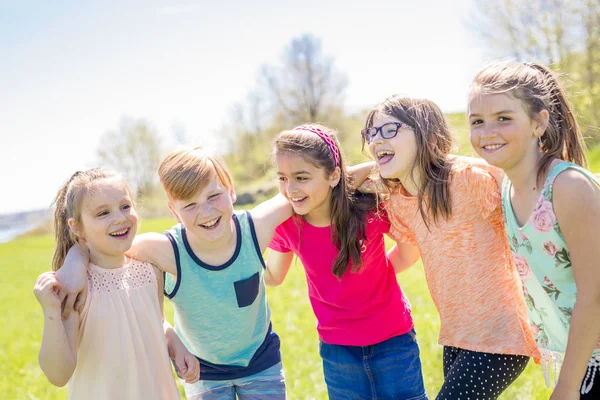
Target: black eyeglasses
[(387, 131)]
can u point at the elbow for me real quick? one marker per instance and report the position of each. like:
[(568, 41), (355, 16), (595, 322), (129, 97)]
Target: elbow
[(273, 282), (56, 375), (56, 378), (58, 382)]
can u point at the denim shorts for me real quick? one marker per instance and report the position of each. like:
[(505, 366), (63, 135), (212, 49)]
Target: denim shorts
[(268, 384), (387, 370)]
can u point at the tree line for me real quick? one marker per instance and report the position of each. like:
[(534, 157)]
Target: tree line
[(306, 86)]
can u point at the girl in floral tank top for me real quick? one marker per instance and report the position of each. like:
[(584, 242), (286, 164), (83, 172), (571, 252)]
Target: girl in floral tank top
[(521, 122)]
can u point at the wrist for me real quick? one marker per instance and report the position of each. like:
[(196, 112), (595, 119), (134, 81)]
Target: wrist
[(52, 313)]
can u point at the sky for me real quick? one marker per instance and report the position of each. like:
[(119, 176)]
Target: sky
[(70, 71)]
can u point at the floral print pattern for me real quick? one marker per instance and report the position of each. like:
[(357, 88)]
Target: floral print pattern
[(543, 262), (543, 216)]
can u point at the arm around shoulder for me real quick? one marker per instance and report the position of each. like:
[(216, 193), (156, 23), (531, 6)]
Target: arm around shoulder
[(154, 248), (495, 172), (268, 215)]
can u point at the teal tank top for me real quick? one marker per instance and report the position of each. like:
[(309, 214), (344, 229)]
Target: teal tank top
[(221, 312), (542, 258)]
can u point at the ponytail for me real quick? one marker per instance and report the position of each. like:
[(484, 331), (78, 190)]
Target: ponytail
[(563, 138), (65, 239)]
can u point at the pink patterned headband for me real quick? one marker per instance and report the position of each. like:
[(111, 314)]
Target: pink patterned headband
[(326, 138)]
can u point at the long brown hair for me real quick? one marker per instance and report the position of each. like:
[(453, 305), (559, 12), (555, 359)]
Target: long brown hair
[(68, 205), (539, 89), (348, 207), (434, 143)]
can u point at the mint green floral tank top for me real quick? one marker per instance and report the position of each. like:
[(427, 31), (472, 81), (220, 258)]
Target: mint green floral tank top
[(544, 264)]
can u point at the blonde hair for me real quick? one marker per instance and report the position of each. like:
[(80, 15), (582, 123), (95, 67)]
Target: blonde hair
[(185, 172), (68, 205), (539, 89)]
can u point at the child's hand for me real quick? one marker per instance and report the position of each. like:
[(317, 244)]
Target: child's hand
[(73, 277), (188, 367), (46, 291)]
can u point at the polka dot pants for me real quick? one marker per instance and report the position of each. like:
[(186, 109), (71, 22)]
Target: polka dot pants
[(469, 375)]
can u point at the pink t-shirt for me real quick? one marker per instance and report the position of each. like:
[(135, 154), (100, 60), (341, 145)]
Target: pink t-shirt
[(363, 308)]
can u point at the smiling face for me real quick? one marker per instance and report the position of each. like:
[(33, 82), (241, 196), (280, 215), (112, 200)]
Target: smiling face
[(207, 216), (502, 132), (396, 156), (306, 186), (108, 222)]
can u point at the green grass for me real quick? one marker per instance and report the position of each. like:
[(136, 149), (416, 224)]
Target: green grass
[(593, 158), (21, 378)]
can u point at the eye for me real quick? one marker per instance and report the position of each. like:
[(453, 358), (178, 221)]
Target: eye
[(476, 122), (125, 206), (301, 178), (214, 196), (102, 213), (189, 206), (282, 179), (503, 119)]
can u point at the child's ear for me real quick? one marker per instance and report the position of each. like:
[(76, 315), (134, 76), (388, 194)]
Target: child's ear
[(542, 119), (173, 212), (75, 228), (232, 195), (335, 177)]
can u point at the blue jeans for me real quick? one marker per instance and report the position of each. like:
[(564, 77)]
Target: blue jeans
[(268, 384), (387, 370)]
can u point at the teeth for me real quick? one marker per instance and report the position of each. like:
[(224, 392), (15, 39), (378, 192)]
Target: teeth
[(117, 233), (492, 146), (210, 223), (384, 153), (297, 198)]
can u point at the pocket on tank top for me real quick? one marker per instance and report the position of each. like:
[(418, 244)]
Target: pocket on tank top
[(246, 290)]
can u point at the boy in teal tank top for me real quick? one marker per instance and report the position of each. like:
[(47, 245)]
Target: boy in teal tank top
[(213, 265)]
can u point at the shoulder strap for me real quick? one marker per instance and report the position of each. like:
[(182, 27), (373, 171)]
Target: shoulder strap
[(249, 231), (563, 166), (172, 285)]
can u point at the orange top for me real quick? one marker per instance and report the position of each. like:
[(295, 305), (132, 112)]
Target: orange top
[(468, 266)]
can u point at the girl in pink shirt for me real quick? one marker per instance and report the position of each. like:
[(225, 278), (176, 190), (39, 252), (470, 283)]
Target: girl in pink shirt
[(367, 340)]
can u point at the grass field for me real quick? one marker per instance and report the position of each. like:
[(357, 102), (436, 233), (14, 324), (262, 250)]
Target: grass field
[(21, 378)]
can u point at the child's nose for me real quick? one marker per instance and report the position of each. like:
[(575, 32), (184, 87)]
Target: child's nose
[(489, 130), (291, 188)]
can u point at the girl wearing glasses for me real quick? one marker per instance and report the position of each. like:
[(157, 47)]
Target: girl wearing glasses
[(451, 209), (367, 340)]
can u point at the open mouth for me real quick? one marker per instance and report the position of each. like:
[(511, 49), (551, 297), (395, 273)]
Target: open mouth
[(212, 224), (298, 200), (123, 233), (384, 156), (490, 148)]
